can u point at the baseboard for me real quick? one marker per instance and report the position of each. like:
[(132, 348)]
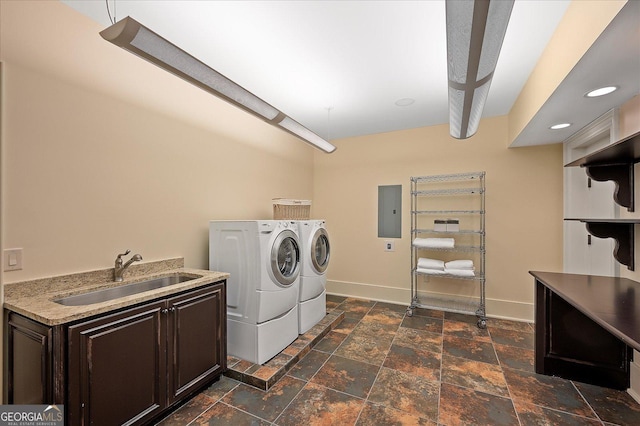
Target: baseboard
[(496, 308)]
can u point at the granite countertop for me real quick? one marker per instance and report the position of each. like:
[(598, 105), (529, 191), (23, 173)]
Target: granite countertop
[(35, 299)]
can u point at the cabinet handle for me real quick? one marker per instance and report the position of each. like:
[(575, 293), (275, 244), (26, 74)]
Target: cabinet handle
[(164, 311), (172, 309), (589, 239)]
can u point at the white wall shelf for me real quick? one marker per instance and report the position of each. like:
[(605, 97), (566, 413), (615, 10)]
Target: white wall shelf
[(614, 162)]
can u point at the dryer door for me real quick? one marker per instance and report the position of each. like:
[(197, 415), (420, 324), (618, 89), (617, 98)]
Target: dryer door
[(285, 258), (320, 250)]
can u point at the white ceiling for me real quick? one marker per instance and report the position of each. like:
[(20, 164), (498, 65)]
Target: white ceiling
[(338, 67)]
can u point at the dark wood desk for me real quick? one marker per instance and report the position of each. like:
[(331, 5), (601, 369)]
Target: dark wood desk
[(586, 327)]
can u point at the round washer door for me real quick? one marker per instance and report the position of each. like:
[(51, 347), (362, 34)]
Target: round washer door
[(320, 250), (285, 257)]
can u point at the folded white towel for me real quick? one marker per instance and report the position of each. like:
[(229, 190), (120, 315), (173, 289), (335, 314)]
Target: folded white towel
[(430, 271), (460, 272), (434, 242), (459, 264), (425, 263)]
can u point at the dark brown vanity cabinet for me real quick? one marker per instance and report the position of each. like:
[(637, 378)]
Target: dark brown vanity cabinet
[(129, 366)]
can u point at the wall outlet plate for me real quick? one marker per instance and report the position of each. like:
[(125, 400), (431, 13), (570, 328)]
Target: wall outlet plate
[(389, 246)]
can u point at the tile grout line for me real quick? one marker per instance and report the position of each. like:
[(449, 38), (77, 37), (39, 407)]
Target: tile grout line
[(513, 402), (246, 412), (593, 410), (380, 370), (217, 400), (364, 404), (320, 368)]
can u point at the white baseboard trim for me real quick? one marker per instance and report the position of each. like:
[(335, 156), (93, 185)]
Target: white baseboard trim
[(496, 308)]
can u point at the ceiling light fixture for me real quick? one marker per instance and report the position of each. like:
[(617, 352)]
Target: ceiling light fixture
[(141, 41), (601, 91), (475, 31), (560, 126)]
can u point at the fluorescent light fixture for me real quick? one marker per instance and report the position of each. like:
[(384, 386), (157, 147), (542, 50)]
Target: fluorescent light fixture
[(560, 126), (475, 31), (305, 134), (601, 91), (139, 40)]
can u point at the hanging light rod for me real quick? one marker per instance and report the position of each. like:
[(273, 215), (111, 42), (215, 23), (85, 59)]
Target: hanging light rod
[(475, 31), (139, 40)]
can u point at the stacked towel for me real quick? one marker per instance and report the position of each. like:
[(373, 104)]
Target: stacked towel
[(434, 242), (425, 263), (461, 268), (461, 272), (459, 264), (430, 271)]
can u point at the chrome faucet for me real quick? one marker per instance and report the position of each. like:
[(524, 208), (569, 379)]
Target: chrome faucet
[(120, 268)]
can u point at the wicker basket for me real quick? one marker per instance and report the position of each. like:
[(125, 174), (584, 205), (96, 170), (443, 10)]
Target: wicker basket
[(288, 209)]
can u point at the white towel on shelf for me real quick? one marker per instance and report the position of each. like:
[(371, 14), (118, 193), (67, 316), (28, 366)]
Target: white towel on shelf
[(434, 242), (460, 272), (430, 271), (425, 263), (459, 264)]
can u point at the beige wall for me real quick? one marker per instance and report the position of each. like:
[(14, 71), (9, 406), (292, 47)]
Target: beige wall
[(523, 202), (90, 171)]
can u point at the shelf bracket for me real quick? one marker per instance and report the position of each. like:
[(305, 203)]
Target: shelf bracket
[(622, 175), (623, 233)]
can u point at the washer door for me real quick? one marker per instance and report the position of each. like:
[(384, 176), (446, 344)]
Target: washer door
[(285, 258), (320, 250)]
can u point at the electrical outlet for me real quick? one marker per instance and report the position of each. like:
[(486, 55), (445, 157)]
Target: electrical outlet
[(389, 246), (12, 259)]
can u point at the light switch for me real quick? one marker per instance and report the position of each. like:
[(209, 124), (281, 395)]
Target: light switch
[(12, 259)]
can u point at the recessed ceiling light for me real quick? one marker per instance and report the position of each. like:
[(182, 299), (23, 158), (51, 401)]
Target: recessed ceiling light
[(405, 102), (560, 126), (601, 91)]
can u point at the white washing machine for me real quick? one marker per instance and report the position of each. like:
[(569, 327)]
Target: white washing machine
[(315, 254), (263, 260)]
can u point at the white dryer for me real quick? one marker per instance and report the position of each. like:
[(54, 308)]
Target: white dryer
[(263, 260), (314, 241)]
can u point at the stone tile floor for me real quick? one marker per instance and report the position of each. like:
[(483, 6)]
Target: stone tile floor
[(380, 367)]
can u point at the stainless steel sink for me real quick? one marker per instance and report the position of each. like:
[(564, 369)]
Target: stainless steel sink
[(112, 293)]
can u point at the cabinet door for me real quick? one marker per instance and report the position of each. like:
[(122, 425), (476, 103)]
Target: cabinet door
[(197, 339), (29, 362), (117, 367)]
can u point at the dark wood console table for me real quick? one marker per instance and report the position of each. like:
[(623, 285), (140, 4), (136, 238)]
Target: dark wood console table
[(586, 327)]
